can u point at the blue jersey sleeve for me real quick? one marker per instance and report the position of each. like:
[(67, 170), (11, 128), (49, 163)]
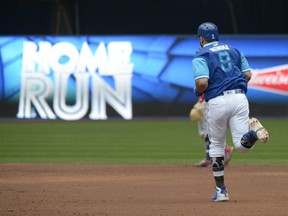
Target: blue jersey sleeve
[(200, 68), (244, 63)]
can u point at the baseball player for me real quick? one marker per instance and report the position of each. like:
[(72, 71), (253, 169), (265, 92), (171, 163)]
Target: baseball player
[(222, 72), (198, 114)]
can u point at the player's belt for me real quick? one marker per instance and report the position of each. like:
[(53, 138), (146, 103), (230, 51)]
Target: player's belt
[(234, 91)]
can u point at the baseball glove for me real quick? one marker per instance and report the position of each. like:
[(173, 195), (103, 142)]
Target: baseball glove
[(197, 112)]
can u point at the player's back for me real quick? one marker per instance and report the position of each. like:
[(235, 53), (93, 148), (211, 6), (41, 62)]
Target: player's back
[(225, 69)]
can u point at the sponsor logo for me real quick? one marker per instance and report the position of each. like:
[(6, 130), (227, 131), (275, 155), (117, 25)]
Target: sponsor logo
[(273, 79)]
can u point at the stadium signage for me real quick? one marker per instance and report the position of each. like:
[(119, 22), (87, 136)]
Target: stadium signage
[(273, 79), (47, 69)]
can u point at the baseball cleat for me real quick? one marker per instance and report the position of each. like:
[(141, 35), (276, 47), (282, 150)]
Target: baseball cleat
[(262, 133), (203, 163), (228, 153), (221, 195)]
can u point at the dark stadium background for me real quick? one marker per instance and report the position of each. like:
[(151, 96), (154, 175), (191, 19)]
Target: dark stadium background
[(113, 17)]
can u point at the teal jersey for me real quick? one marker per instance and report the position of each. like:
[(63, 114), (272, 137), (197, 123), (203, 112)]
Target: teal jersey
[(223, 65)]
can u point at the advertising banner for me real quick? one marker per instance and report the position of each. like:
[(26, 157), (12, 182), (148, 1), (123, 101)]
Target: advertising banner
[(95, 77)]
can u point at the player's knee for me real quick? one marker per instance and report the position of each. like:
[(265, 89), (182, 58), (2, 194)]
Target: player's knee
[(217, 164)]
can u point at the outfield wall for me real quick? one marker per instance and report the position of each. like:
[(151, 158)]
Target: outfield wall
[(98, 77)]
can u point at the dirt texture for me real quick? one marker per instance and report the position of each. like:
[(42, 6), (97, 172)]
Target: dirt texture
[(136, 190)]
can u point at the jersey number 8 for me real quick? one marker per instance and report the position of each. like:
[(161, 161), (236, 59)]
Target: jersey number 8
[(225, 60)]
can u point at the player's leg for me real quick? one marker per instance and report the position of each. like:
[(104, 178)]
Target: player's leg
[(217, 127), (202, 129), (239, 122), (206, 161), (228, 154), (207, 148), (244, 138)]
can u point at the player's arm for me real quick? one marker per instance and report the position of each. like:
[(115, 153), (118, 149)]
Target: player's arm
[(245, 68), (201, 74), (248, 75), (201, 84)]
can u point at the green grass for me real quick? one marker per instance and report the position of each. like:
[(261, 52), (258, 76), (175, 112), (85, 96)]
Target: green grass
[(119, 141)]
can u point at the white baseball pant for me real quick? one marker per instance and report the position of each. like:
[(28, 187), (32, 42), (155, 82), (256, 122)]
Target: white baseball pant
[(227, 111)]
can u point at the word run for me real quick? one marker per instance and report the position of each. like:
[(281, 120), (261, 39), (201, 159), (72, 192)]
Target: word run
[(47, 71)]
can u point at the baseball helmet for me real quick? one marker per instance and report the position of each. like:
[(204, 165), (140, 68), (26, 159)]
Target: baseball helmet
[(208, 31)]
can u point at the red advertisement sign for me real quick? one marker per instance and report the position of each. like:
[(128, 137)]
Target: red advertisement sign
[(273, 79)]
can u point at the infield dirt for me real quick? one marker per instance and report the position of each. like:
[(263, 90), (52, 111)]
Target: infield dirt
[(140, 190)]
